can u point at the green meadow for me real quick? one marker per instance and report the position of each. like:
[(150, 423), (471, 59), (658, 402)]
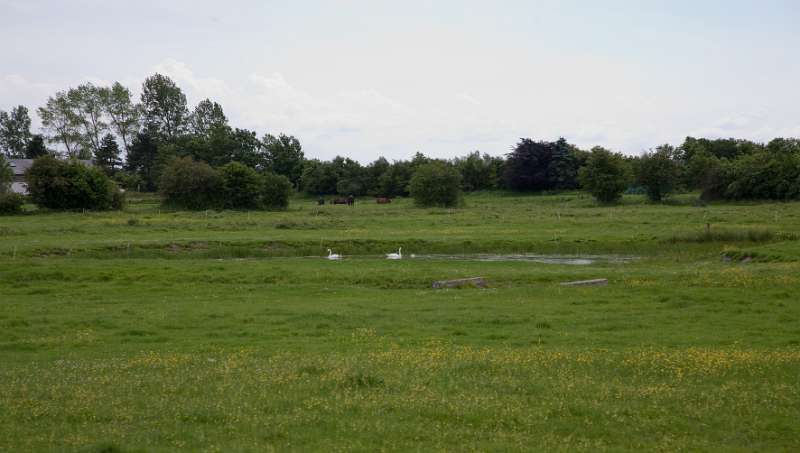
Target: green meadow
[(154, 330)]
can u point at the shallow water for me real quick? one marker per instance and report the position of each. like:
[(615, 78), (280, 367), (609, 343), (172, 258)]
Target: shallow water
[(573, 260)]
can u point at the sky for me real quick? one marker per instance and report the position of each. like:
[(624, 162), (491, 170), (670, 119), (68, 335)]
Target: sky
[(365, 79)]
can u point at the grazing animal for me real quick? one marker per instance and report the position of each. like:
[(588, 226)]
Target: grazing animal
[(395, 256), (348, 201), (383, 200), (333, 256)]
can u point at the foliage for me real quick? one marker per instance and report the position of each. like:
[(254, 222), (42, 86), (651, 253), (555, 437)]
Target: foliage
[(78, 120), (657, 172), (11, 203), (123, 114), (221, 145), (395, 181), (164, 107), (60, 124), (6, 175), (724, 148), (107, 156), (207, 115), (436, 184), (189, 184), (241, 186), (536, 166), (142, 160), (351, 177), (128, 180), (783, 146), (284, 156), (243, 146), (15, 131), (605, 175), (318, 177), (58, 184), (87, 113), (765, 175), (373, 173), (708, 173), (478, 172), (276, 191), (36, 147)]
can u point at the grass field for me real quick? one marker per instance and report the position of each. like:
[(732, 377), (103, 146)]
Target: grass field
[(149, 330)]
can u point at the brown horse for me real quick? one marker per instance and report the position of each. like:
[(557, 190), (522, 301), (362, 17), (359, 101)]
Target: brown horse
[(383, 200)]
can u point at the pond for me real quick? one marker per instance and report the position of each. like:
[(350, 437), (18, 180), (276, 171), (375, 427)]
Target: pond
[(574, 260)]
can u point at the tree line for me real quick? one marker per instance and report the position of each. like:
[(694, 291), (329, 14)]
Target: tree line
[(142, 143)]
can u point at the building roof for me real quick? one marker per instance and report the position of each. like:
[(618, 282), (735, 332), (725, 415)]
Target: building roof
[(20, 166)]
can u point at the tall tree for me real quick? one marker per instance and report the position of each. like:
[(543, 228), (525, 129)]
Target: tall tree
[(542, 166), (285, 156), (61, 124), (351, 176), (394, 181), (164, 106), (374, 171), (124, 115), (107, 156), (36, 147), (142, 159), (207, 116), (318, 178), (87, 103), (15, 131), (477, 172)]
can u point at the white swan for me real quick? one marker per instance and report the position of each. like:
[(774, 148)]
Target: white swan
[(395, 256), (333, 256)]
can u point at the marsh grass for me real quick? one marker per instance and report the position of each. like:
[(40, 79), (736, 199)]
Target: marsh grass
[(728, 235)]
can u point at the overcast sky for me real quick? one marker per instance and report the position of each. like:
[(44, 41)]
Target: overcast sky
[(370, 78)]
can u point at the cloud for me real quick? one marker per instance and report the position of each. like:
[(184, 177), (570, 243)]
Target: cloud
[(199, 87), (613, 108), (468, 99), (18, 90), (352, 122)]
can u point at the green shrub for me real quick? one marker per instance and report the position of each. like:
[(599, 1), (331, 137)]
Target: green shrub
[(657, 172), (128, 180), (58, 184), (765, 175), (241, 186), (11, 203), (276, 190), (189, 184), (436, 184), (605, 175), (6, 175)]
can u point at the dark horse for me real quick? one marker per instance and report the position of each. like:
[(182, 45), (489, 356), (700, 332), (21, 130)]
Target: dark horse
[(349, 201)]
